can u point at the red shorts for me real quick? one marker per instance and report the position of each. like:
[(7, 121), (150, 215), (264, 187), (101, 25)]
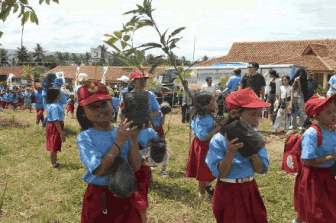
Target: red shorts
[(40, 112), (54, 142), (3, 104), (241, 203), (196, 166), (71, 108), (160, 132), (121, 210), (20, 100), (315, 195), (141, 193), (13, 104)]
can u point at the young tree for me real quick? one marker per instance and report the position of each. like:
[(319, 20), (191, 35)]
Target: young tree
[(205, 58), (87, 58)]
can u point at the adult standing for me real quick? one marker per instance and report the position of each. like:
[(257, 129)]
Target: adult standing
[(254, 80), (186, 101), (272, 90), (233, 81), (208, 87), (332, 86), (312, 85)]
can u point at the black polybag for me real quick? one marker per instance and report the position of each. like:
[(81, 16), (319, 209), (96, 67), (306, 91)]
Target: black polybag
[(253, 142), (157, 150), (137, 107)]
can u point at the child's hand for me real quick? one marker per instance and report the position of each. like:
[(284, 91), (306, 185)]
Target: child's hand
[(63, 137), (232, 145), (124, 131)]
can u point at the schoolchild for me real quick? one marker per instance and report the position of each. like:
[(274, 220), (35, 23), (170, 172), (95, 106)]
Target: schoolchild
[(38, 103), (236, 196), (71, 105), (54, 132), (99, 143), (27, 101), (204, 127), (115, 102), (314, 191), (143, 175), (14, 101), (7, 98), (20, 97)]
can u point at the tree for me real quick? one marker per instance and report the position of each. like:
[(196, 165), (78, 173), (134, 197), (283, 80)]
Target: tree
[(38, 70), (205, 58), (22, 55), (67, 58), (104, 58), (25, 11), (38, 54), (49, 61), (60, 58), (76, 59), (3, 58), (13, 62), (87, 58)]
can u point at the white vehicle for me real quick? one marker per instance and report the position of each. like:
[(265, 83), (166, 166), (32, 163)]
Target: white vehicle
[(216, 71)]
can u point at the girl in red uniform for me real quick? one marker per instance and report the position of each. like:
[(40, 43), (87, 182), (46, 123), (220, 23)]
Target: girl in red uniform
[(315, 186), (54, 131), (99, 142), (71, 105), (204, 127)]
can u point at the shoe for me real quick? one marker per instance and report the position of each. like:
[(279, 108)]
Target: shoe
[(56, 165), (164, 173), (209, 189)]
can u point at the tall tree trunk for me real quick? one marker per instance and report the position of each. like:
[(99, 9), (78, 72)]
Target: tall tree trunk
[(22, 35)]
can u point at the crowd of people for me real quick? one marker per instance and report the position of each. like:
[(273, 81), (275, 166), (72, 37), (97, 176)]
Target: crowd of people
[(108, 151)]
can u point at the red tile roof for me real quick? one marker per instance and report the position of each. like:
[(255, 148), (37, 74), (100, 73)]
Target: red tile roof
[(275, 52), (96, 72), (17, 71)]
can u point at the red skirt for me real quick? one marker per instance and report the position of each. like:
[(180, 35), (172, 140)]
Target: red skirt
[(196, 166), (118, 209), (20, 101), (3, 104), (240, 203), (141, 193), (160, 132), (54, 141), (40, 112), (315, 195), (71, 108)]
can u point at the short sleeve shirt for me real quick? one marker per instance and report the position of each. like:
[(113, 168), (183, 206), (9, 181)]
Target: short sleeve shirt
[(39, 102), (333, 82), (55, 112), (209, 89), (310, 149), (202, 126), (233, 83), (240, 167), (256, 82), (146, 135), (93, 145)]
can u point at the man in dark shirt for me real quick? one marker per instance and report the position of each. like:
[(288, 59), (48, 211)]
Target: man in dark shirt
[(254, 80), (312, 85)]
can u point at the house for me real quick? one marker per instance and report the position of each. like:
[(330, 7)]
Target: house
[(317, 56), (96, 72), (5, 71)]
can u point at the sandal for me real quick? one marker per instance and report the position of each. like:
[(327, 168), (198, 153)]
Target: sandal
[(209, 189), (56, 165)]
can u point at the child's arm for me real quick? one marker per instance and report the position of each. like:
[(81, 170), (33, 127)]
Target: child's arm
[(59, 129), (134, 153), (257, 163), (318, 161)]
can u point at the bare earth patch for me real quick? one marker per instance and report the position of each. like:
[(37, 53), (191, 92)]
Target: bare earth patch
[(13, 122)]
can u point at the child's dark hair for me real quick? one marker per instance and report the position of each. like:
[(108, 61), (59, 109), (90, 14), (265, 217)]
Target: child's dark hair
[(84, 123), (52, 94), (201, 102), (287, 77), (307, 123)]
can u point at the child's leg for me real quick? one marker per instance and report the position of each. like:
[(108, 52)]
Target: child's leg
[(201, 186), (143, 214), (53, 158)]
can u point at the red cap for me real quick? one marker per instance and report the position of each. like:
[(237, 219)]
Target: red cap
[(315, 105), (138, 75), (92, 92), (245, 98)]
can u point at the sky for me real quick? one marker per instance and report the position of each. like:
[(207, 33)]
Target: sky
[(77, 25)]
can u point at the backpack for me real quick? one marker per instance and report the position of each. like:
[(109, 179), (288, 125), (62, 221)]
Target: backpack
[(291, 161)]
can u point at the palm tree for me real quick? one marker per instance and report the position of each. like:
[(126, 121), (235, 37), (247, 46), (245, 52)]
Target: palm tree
[(3, 57), (22, 55), (103, 49), (38, 54), (87, 58)]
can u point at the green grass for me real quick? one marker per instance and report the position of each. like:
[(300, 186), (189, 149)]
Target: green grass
[(37, 193)]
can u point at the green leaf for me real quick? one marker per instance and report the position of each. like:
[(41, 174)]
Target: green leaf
[(33, 18), (177, 31), (48, 2), (123, 44), (55, 1), (1, 33), (174, 40), (118, 34), (24, 2), (132, 11), (25, 18), (130, 28), (114, 47), (126, 38), (154, 45), (111, 41), (141, 57), (16, 7), (5, 14), (129, 52), (107, 35), (163, 37), (41, 1)]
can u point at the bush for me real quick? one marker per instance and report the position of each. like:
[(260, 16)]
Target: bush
[(322, 91)]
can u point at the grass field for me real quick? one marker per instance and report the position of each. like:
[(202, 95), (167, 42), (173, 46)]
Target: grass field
[(37, 193)]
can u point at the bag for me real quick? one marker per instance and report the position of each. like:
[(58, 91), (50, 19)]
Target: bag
[(120, 178), (253, 142), (156, 152), (165, 109), (136, 106), (291, 161)]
